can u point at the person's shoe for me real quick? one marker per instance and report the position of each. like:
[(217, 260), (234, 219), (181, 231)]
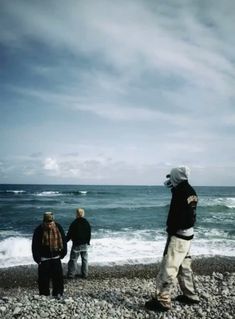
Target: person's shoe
[(186, 300), (155, 305)]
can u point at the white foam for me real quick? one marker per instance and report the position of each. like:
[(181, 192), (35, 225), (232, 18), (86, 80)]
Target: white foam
[(211, 234), (124, 250), (48, 193), (16, 191), (213, 247), (116, 248), (9, 233), (82, 192), (15, 251), (228, 202)]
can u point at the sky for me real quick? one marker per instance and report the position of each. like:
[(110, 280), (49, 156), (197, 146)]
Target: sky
[(117, 92)]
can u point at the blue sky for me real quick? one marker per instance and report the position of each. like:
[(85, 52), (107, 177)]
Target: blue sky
[(117, 92)]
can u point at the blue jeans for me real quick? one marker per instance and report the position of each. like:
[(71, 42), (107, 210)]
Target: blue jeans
[(76, 251)]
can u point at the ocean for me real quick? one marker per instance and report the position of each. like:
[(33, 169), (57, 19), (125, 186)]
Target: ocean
[(128, 222)]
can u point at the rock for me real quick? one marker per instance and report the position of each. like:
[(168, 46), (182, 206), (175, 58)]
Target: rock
[(205, 296), (43, 314), (120, 297), (3, 309), (16, 311)]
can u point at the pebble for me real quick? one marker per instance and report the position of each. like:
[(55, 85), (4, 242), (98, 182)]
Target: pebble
[(3, 309), (120, 298)]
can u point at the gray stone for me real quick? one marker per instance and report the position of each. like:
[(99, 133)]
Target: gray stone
[(3, 309), (43, 314), (17, 311)]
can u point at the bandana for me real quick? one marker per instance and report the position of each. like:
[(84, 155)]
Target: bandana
[(52, 237)]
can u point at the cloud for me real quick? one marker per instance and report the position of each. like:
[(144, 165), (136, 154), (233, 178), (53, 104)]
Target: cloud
[(129, 48), (111, 172), (51, 164), (138, 82), (133, 40), (115, 112)]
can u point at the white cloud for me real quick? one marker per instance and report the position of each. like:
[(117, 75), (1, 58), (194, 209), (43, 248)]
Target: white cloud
[(105, 170), (51, 164)]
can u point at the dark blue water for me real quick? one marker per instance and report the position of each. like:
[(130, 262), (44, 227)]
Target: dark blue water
[(121, 216)]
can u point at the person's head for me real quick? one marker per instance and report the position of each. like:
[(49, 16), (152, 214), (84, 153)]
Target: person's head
[(48, 218), (80, 212), (178, 175)]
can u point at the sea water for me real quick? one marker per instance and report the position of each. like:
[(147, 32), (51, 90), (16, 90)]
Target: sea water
[(128, 222)]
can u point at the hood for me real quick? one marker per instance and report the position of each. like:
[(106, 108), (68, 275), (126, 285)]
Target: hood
[(179, 174)]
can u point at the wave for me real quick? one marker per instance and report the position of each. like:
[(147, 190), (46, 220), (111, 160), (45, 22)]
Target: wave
[(48, 193), (124, 196), (9, 233), (209, 247), (93, 193), (223, 202), (120, 247), (77, 193), (16, 192), (82, 192), (64, 193), (214, 233), (15, 251), (43, 193)]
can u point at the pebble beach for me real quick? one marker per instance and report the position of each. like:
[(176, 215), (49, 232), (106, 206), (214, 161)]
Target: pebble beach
[(118, 292)]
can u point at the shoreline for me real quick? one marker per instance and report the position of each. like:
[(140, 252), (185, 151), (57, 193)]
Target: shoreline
[(26, 275)]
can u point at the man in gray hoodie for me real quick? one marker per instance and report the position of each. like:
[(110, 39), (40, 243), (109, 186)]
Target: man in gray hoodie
[(176, 262)]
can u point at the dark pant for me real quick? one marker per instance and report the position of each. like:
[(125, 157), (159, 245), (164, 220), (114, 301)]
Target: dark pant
[(50, 270)]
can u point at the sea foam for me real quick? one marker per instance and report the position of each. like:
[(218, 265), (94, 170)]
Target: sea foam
[(110, 249)]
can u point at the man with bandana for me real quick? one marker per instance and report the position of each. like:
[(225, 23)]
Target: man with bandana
[(176, 262), (49, 246)]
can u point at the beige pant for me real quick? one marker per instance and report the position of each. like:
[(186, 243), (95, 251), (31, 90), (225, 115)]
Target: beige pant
[(176, 263)]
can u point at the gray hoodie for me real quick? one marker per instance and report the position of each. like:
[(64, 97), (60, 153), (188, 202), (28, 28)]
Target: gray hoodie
[(179, 174)]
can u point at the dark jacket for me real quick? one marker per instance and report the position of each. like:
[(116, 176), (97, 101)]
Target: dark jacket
[(40, 250), (182, 213), (79, 231)]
